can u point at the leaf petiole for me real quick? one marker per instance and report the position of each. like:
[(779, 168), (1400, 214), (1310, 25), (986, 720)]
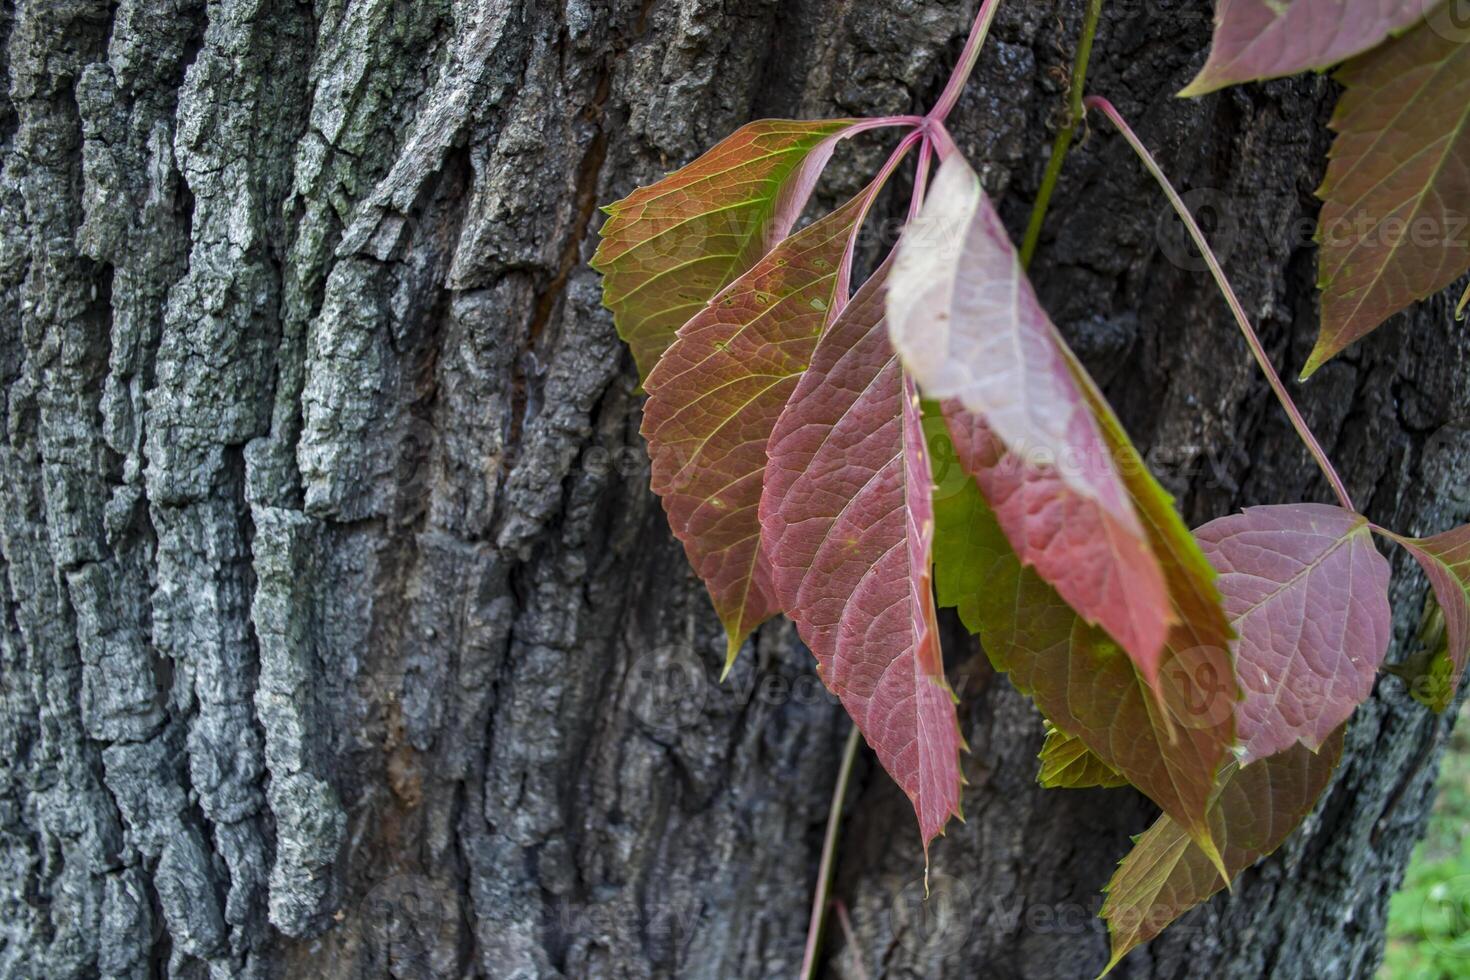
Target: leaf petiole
[(844, 275), (966, 64), (1254, 342), (1464, 302), (921, 179), (882, 122), (936, 133)]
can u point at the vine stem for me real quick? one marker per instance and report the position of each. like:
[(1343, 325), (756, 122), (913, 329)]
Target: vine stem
[(966, 64), (829, 857), (1254, 342), (1076, 113), (1464, 302)]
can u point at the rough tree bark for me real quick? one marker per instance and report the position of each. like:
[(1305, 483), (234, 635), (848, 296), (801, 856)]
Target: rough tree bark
[(341, 635)]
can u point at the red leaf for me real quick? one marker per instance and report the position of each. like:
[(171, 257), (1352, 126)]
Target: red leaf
[(1103, 571), (848, 524), (668, 248), (716, 394), (1392, 229), (1258, 806), (1257, 39), (970, 329), (1307, 591), (1445, 558)]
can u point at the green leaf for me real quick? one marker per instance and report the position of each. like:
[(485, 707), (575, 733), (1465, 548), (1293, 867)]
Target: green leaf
[(1429, 672), (1066, 763), (1256, 809), (667, 249), (1393, 229)]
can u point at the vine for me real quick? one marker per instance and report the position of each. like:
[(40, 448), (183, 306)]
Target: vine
[(795, 458), (1076, 114)]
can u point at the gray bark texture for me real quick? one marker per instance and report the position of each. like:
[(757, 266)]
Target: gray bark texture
[(341, 635)]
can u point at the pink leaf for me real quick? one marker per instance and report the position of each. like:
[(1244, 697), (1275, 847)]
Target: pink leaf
[(1271, 38), (968, 325), (969, 328), (1104, 572), (1307, 592), (848, 523)]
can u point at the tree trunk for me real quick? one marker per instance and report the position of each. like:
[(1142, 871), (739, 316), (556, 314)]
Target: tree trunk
[(342, 636)]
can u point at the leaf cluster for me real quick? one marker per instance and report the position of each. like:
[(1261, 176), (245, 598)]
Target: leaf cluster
[(1215, 670)]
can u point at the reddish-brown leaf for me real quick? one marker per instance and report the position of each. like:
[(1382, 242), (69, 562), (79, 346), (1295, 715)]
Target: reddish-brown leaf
[(1393, 228), (714, 398), (668, 248), (1257, 807), (1307, 591), (848, 524), (1257, 39)]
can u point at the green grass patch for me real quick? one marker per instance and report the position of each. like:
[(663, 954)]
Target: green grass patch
[(1429, 918)]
